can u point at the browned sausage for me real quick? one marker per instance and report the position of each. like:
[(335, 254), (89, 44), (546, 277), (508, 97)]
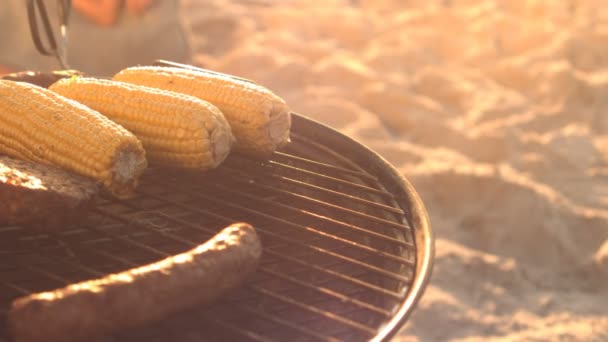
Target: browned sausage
[(140, 295), (42, 196)]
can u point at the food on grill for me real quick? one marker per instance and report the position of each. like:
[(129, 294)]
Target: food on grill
[(140, 295), (260, 120), (39, 125), (175, 129), (41, 79), (42, 196)]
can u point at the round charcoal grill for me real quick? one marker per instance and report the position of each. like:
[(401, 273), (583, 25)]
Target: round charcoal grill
[(347, 244)]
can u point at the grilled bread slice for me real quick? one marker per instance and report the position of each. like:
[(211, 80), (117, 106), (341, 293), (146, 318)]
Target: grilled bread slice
[(42, 196)]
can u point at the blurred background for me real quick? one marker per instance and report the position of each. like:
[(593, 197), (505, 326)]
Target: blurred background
[(495, 110)]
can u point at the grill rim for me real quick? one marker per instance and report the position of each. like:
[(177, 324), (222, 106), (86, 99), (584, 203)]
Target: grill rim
[(406, 196)]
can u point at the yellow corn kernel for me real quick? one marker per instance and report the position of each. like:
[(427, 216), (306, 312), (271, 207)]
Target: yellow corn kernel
[(39, 125), (260, 120), (176, 130)]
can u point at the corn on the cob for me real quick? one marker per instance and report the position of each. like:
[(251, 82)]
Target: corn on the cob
[(260, 120), (176, 130), (39, 125)]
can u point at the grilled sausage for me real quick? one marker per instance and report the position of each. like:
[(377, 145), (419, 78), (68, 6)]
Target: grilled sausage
[(42, 196), (140, 295)]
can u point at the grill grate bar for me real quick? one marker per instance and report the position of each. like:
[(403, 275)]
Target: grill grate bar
[(352, 261), (350, 211), (8, 229), (10, 266), (286, 323), (333, 179), (273, 259), (146, 226), (338, 275), (328, 292), (236, 329), (320, 189), (143, 225), (323, 203), (80, 266), (184, 223), (110, 256), (325, 314), (310, 229), (271, 164), (365, 231), (276, 165), (131, 241), (48, 274), (327, 166), (341, 194), (376, 269), (168, 217), (15, 287), (193, 226), (368, 232)]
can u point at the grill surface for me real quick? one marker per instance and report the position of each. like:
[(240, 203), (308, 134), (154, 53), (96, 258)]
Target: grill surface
[(347, 247)]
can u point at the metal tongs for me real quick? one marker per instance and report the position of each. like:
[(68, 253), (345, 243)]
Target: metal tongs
[(35, 9)]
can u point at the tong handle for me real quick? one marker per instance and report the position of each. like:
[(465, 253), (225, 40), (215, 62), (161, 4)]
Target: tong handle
[(53, 50)]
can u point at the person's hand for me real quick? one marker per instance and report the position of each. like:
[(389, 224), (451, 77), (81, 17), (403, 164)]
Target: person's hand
[(102, 12), (137, 6)]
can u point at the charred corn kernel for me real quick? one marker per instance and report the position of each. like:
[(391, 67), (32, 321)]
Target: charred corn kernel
[(39, 125), (176, 129), (260, 120)]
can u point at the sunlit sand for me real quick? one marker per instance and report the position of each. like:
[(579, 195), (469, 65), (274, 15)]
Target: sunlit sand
[(497, 111)]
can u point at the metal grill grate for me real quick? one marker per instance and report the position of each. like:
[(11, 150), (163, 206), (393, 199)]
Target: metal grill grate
[(340, 256)]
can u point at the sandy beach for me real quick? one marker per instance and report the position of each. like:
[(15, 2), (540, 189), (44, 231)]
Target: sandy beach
[(497, 111)]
